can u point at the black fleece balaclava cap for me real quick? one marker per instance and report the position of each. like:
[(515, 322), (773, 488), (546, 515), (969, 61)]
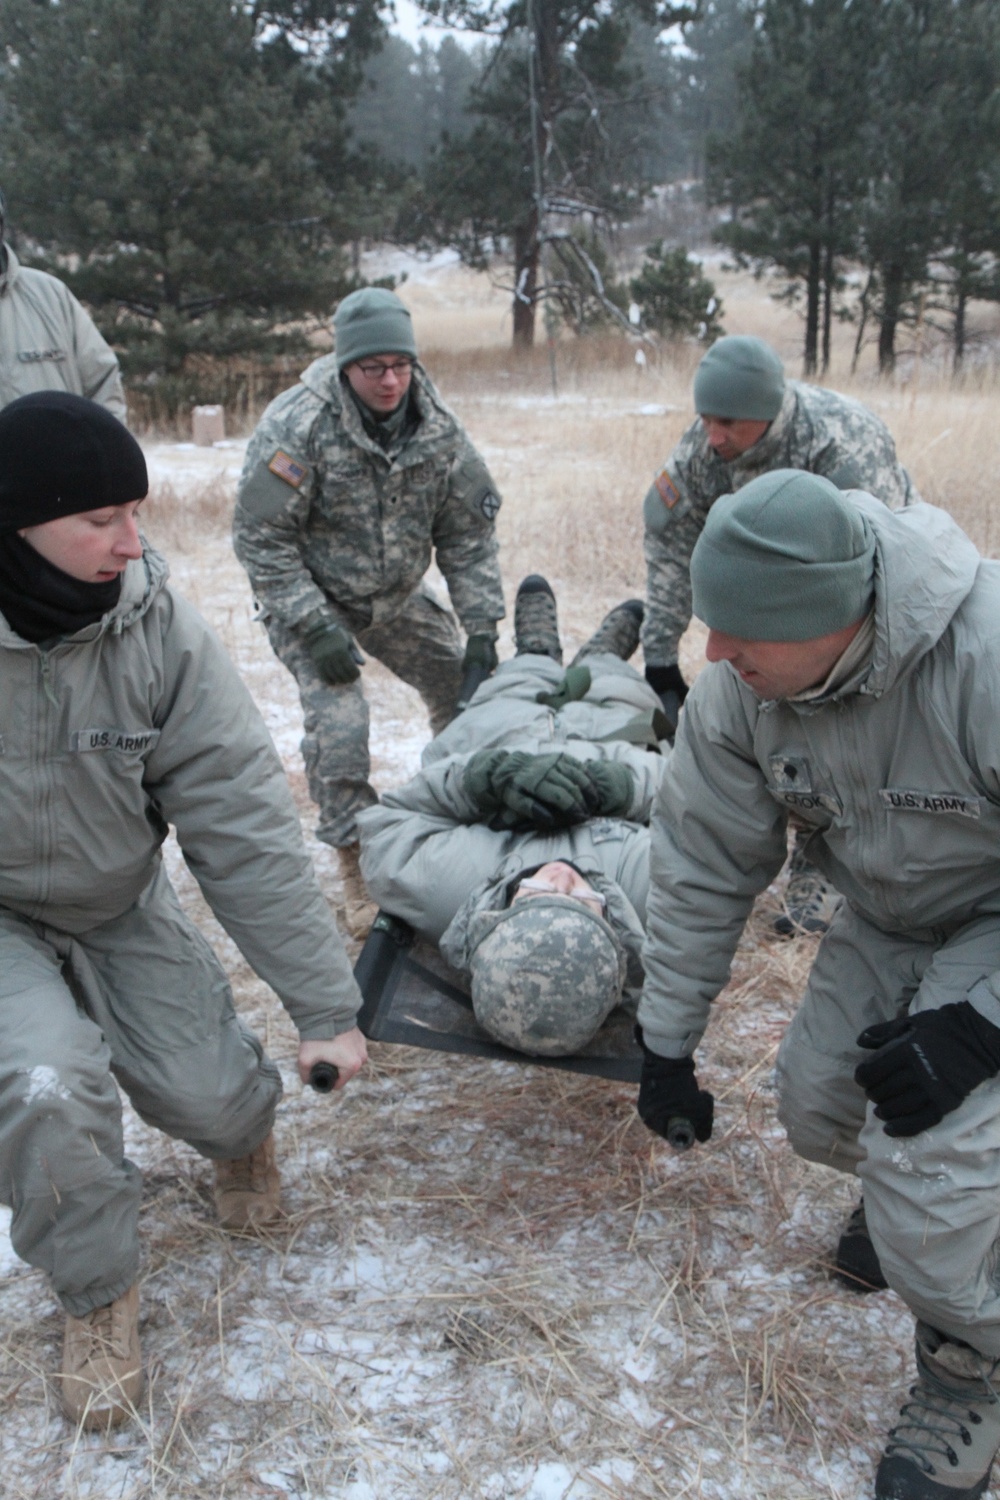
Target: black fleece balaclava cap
[(61, 454)]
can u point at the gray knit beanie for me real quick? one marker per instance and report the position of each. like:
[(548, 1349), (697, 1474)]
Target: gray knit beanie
[(372, 321), (789, 557), (740, 377)]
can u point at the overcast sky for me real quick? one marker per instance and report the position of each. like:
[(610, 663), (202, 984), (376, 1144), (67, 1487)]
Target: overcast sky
[(409, 25)]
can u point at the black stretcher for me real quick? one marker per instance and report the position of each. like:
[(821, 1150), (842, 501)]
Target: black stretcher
[(412, 998)]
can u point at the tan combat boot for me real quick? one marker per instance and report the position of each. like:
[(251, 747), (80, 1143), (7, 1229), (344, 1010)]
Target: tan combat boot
[(102, 1364), (248, 1189), (360, 910), (944, 1444)]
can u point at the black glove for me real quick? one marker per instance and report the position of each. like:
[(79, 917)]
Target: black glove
[(925, 1064), (613, 788), (478, 664), (672, 690), (670, 1101), (481, 652), (336, 656)]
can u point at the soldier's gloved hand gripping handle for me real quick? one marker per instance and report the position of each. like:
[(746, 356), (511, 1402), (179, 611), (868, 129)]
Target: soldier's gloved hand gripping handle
[(670, 1101), (926, 1064)]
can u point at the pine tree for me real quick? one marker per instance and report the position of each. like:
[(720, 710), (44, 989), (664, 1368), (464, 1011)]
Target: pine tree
[(540, 154), (410, 96), (183, 165), (971, 112), (791, 170), (675, 296), (902, 217), (716, 45)]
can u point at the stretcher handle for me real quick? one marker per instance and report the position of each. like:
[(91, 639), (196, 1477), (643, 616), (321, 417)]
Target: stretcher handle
[(323, 1077), (680, 1133)]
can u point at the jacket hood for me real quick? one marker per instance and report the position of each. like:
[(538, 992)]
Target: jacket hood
[(142, 580), (925, 567)]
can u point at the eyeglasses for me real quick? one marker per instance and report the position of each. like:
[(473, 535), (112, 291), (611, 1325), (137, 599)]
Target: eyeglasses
[(378, 370), (592, 896)]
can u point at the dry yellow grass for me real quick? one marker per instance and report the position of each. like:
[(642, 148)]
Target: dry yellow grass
[(493, 1281)]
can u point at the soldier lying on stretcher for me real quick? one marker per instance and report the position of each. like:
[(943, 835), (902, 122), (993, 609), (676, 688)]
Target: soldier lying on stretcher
[(521, 847)]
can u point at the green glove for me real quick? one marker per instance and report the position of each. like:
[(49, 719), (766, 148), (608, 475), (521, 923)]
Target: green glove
[(574, 686), (613, 788), (477, 781), (481, 652), (544, 791), (514, 789), (336, 656)]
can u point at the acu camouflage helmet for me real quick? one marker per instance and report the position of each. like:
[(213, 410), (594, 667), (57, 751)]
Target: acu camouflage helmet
[(546, 972)]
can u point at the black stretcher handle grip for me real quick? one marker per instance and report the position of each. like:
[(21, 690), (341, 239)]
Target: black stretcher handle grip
[(680, 1132), (323, 1077)]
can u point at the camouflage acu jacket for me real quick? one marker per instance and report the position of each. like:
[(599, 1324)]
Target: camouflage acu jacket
[(327, 521), (816, 429)]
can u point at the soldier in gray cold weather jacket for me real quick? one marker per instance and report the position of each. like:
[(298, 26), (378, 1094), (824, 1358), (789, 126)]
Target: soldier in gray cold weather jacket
[(540, 789), (121, 714), (751, 421), (48, 341), (855, 684)]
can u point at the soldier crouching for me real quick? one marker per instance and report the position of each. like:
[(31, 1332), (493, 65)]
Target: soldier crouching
[(352, 478)]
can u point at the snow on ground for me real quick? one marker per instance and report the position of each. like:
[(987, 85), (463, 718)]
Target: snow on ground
[(493, 1282)]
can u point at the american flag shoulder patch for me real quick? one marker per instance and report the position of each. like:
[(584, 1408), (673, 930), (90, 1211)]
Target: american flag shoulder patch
[(666, 489), (287, 469)]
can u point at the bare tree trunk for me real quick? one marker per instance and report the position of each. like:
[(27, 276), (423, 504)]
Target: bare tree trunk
[(961, 301), (862, 321), (892, 301), (526, 257), (812, 310), (829, 279)]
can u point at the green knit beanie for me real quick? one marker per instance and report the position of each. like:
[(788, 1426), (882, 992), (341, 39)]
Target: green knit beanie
[(789, 557), (740, 377), (372, 321)]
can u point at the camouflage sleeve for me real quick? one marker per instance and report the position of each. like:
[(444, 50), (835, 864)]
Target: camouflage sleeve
[(276, 487), (859, 454), (465, 541), (674, 513)]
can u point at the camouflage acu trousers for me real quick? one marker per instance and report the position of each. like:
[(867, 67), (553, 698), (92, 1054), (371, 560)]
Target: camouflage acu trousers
[(422, 646)]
